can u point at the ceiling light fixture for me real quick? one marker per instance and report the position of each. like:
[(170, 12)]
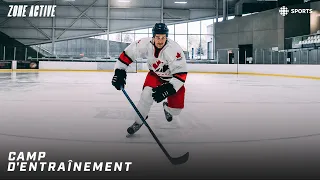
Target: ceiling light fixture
[(124, 1), (180, 2)]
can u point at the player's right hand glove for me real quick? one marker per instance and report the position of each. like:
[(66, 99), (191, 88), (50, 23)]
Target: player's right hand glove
[(119, 78), (162, 92)]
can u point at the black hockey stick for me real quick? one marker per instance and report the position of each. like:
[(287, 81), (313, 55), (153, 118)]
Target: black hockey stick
[(173, 160)]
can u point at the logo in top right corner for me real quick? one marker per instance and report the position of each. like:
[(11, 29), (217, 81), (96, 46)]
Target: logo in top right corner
[(285, 11)]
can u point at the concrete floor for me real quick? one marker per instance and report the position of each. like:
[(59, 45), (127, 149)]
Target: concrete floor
[(232, 126)]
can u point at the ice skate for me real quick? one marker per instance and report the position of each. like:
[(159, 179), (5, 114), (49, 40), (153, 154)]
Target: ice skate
[(134, 128), (166, 113)]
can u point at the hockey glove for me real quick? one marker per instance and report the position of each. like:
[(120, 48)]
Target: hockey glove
[(162, 92), (119, 78)]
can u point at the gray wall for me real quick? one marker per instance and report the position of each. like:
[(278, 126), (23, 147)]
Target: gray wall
[(263, 30)]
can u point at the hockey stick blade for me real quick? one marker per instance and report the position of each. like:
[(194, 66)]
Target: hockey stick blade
[(180, 160), (175, 161)]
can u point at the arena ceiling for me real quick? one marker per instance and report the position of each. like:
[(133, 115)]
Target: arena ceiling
[(85, 18)]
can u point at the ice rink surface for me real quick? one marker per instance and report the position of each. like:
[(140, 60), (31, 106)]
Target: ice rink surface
[(232, 125)]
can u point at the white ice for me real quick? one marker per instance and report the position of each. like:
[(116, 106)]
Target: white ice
[(217, 107), (74, 108)]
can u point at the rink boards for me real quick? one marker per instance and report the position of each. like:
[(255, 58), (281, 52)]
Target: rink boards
[(288, 70)]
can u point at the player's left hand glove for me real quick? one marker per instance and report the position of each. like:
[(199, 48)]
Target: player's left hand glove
[(119, 78), (162, 92)]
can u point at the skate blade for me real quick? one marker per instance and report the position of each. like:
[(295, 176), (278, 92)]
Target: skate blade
[(131, 135)]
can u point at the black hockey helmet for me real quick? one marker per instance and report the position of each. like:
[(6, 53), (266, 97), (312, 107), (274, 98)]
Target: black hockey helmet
[(160, 28)]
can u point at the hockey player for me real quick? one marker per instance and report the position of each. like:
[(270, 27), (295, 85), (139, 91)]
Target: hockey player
[(165, 79)]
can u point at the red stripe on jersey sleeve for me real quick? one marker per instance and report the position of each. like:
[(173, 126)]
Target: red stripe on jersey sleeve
[(181, 76), (125, 58)]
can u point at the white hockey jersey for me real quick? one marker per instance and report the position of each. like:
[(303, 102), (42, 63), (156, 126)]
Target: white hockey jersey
[(169, 64)]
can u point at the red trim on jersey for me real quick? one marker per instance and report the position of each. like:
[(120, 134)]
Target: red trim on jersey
[(181, 76), (125, 58)]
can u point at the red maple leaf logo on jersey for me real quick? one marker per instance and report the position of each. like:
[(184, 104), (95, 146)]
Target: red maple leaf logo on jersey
[(156, 64), (178, 56)]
